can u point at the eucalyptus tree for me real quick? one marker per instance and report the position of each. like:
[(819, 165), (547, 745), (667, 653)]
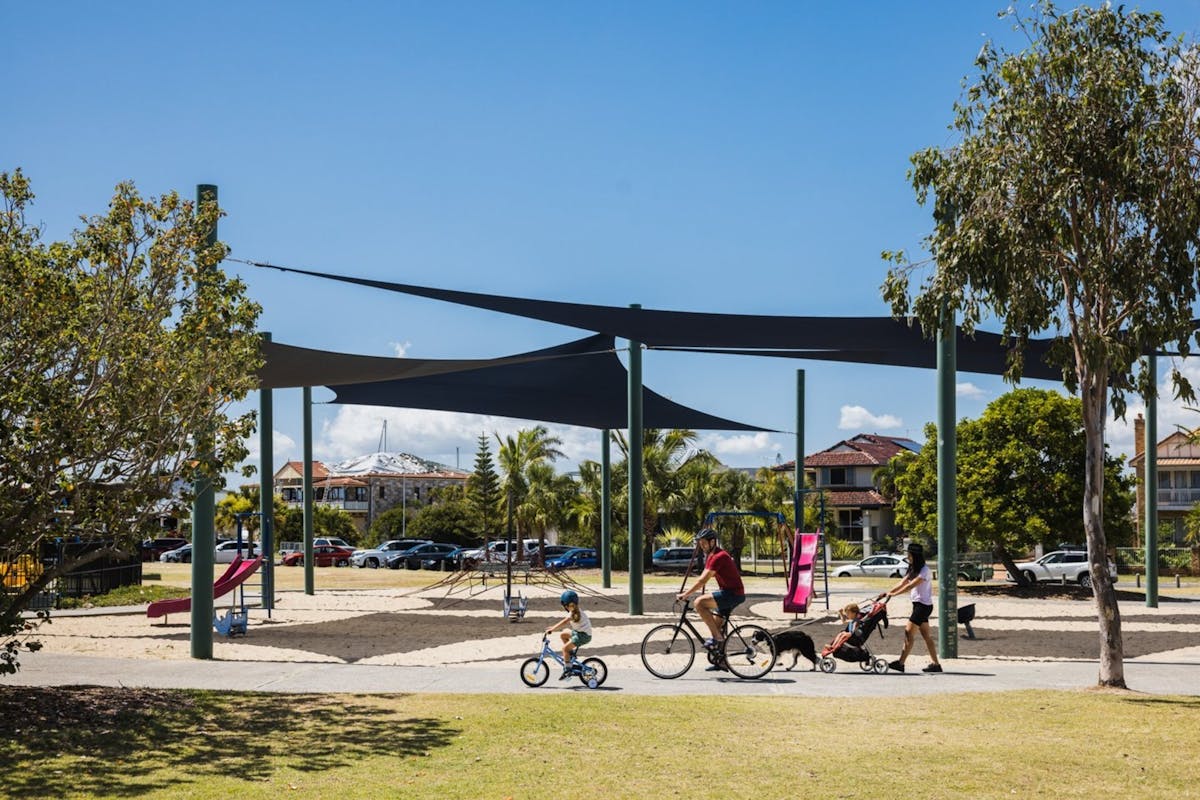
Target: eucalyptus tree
[(118, 348), (1070, 203)]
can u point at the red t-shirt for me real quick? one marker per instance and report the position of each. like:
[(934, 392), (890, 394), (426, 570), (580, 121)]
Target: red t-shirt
[(722, 564)]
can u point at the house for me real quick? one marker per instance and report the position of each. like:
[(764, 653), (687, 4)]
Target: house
[(1178, 481), (845, 476), (369, 485)]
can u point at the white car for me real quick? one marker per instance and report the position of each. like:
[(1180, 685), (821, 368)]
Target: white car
[(376, 557), (1069, 564), (498, 551), (226, 551), (885, 565)]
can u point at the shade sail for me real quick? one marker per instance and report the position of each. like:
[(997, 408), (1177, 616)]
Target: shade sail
[(288, 366), (875, 340), (578, 383)]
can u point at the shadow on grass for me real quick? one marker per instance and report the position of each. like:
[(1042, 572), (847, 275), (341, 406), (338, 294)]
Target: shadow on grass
[(128, 742)]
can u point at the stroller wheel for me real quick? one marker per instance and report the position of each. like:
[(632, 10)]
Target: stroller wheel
[(827, 664), (879, 665), (867, 664)]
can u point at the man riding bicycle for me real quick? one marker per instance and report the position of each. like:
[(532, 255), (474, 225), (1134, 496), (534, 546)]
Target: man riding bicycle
[(718, 563)]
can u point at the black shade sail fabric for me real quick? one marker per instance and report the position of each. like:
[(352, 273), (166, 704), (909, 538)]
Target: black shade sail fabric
[(578, 383), (287, 366), (875, 340)]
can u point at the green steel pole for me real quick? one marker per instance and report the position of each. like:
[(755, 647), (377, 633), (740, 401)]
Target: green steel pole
[(606, 510), (1151, 485), (266, 492), (636, 510), (947, 488), (799, 493), (204, 508), (308, 494)]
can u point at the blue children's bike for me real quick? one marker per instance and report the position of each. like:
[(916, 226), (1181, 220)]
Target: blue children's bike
[(536, 671)]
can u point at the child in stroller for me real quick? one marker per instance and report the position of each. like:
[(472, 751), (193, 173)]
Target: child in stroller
[(851, 642)]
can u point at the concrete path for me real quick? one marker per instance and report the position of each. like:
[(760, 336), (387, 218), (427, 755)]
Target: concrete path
[(1176, 673)]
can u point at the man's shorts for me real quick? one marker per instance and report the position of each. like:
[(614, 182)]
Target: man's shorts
[(920, 613), (579, 638), (727, 602)]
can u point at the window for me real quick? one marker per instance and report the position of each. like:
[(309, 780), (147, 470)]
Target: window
[(837, 476), (381, 494)]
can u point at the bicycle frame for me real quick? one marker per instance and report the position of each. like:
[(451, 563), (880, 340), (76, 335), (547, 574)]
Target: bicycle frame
[(747, 650), (534, 672)]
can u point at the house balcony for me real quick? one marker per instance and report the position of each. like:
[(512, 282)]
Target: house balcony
[(1178, 498), (349, 506)]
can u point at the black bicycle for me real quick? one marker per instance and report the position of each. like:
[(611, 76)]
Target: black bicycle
[(669, 650)]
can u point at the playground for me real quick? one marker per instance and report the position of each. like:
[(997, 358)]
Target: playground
[(384, 618)]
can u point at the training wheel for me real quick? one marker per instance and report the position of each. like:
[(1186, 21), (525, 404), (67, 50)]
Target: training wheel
[(827, 664)]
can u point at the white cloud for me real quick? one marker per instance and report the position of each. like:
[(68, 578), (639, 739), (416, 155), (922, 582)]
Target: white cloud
[(282, 446), (749, 449), (968, 389), (860, 419), (446, 437), (1172, 414), (400, 349)]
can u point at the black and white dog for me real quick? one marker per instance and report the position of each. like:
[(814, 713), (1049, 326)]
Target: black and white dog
[(798, 643)]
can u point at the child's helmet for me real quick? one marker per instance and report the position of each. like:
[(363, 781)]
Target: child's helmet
[(568, 597)]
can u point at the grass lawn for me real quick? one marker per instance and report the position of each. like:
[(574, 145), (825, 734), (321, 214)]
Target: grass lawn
[(186, 744)]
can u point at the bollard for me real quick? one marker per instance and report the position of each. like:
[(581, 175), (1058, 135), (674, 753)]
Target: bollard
[(1177, 584), (1137, 580)]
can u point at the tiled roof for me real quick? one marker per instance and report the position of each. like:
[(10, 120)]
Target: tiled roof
[(865, 449), (855, 498), (318, 469)]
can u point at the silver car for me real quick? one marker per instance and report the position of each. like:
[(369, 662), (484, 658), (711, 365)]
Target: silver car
[(377, 556)]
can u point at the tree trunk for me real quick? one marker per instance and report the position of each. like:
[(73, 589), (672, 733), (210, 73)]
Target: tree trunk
[(1094, 394), (1010, 566)]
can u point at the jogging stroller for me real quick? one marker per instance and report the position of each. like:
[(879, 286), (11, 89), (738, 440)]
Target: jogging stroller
[(853, 648)]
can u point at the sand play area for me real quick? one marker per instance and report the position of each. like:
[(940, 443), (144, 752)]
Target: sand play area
[(429, 627)]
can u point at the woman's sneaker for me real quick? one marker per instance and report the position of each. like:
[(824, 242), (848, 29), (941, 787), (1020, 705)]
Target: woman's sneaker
[(932, 668), (897, 665)]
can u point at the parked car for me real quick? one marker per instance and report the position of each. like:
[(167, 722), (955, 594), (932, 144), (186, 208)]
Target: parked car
[(1069, 564), (883, 565), (325, 555), (151, 549), (576, 557), (295, 547), (377, 556), (180, 555), (225, 552), (498, 551), (552, 551), (674, 558), (446, 562), (412, 557)]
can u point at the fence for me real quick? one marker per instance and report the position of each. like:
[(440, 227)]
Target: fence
[(1171, 560)]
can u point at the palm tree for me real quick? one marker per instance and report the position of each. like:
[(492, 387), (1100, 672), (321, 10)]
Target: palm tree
[(524, 459), (667, 461)]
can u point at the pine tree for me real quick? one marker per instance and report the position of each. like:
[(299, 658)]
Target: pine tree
[(483, 490)]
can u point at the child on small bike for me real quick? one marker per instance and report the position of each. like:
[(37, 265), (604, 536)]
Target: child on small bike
[(580, 630)]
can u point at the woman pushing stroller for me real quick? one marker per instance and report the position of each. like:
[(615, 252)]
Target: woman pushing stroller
[(918, 582)]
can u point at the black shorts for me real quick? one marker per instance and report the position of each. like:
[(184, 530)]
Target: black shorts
[(920, 613)]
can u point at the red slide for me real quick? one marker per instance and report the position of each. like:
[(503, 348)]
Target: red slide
[(235, 574), (800, 577)]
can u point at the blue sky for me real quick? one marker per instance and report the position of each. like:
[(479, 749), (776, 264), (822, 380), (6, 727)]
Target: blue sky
[(743, 158)]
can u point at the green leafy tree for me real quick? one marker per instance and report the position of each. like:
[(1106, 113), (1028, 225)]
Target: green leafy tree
[(327, 521), (391, 524), (484, 492), (1070, 204), (1018, 479), (119, 348), (452, 520)]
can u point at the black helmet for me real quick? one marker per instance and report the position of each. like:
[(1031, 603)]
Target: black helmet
[(707, 533)]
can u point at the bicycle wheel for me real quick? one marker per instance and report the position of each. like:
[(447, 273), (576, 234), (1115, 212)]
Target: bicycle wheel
[(594, 673), (668, 651), (749, 651), (534, 672)]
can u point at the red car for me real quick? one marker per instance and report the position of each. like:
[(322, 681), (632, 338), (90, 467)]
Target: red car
[(324, 555)]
